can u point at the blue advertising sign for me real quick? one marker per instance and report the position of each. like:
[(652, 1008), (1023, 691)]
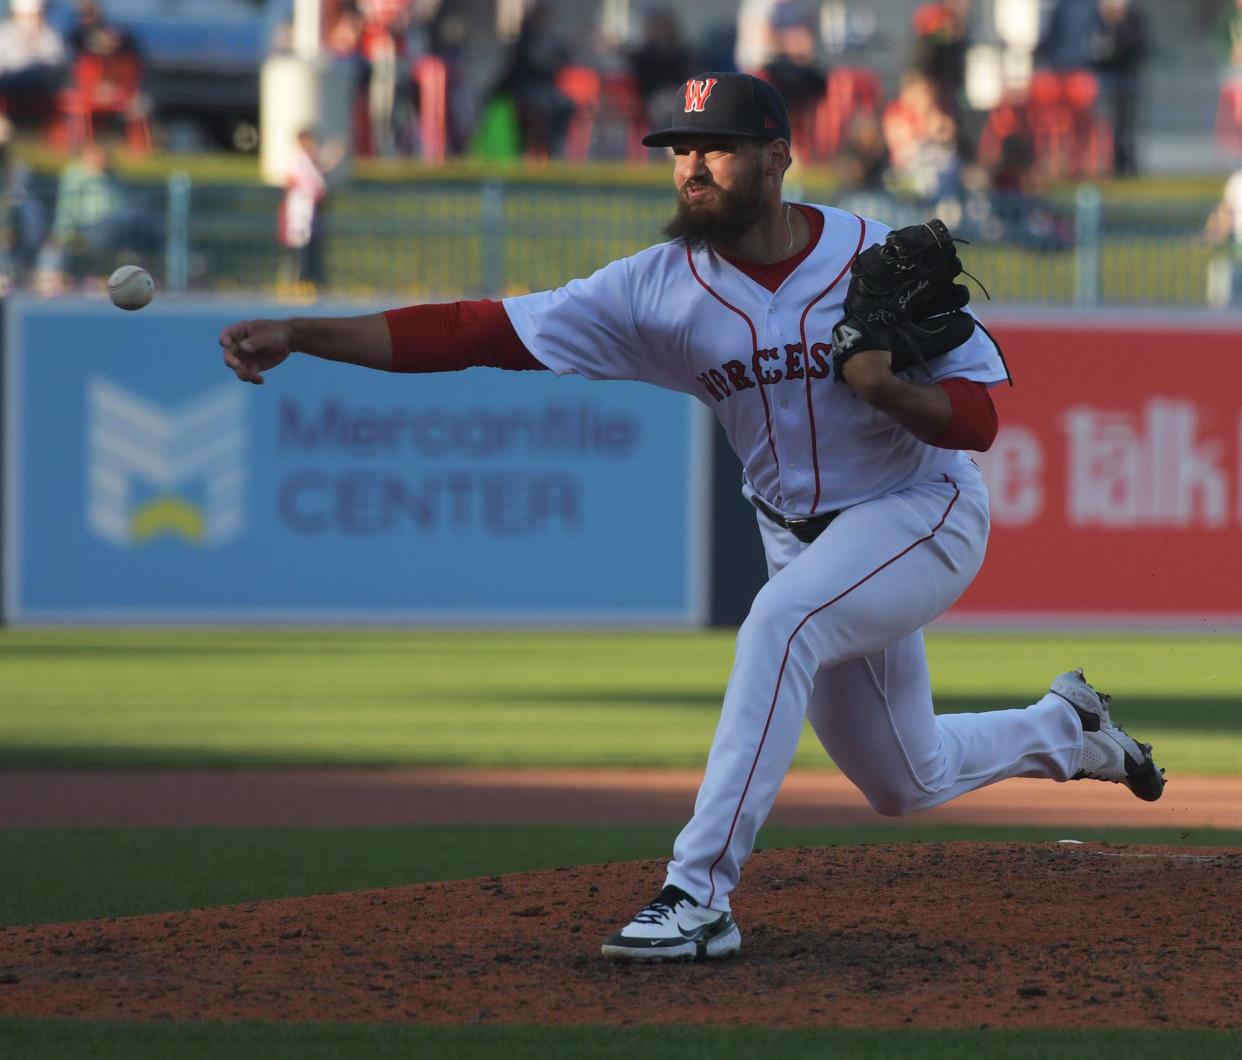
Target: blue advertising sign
[(144, 482)]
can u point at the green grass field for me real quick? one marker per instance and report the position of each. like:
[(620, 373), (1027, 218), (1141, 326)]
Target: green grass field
[(119, 697), (115, 697), (65, 874)]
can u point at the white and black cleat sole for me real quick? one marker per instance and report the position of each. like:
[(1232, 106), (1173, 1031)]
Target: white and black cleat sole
[(655, 951)]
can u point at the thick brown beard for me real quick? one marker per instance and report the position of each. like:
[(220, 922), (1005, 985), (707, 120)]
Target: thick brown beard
[(719, 224)]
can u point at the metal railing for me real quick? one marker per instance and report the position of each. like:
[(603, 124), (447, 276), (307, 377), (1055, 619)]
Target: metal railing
[(465, 238)]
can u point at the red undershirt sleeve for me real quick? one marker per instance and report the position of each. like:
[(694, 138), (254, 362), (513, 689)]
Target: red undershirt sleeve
[(973, 422), (455, 335)]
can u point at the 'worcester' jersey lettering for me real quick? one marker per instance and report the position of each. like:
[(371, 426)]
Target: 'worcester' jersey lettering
[(692, 322)]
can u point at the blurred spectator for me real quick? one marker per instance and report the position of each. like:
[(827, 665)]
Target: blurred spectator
[(32, 62), (90, 202), (24, 221), (1229, 33), (27, 220), (754, 44), (343, 38), (448, 35), (8, 236), (1007, 200), (1229, 105), (106, 81), (793, 68), (1224, 229), (922, 144), (1065, 43), (661, 63), (1010, 204), (941, 40), (862, 158), (97, 223), (529, 79), (716, 48), (1007, 146), (382, 47), (92, 34), (343, 35), (601, 51), (300, 224), (1118, 48)]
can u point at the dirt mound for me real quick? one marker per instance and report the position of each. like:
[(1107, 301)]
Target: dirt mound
[(930, 935)]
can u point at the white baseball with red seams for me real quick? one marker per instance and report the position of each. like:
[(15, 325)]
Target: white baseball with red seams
[(835, 634)]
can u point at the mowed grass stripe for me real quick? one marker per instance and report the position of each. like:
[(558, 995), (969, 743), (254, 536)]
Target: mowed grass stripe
[(82, 874), (36, 1040), (150, 697)]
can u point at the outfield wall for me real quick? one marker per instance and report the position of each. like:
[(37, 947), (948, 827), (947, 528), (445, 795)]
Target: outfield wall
[(144, 484), (1116, 477)]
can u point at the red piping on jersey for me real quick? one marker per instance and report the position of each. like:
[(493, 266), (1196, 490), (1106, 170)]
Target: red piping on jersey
[(780, 674), (754, 359), (806, 356)]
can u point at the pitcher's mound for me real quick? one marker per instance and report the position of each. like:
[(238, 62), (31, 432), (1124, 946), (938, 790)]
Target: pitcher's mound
[(929, 935)]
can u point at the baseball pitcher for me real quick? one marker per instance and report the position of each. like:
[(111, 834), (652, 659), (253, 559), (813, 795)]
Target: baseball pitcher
[(851, 378)]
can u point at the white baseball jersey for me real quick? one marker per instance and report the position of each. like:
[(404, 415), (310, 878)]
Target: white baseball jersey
[(835, 634), (693, 322)]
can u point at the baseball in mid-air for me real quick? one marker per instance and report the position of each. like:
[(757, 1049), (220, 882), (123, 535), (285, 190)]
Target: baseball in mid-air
[(131, 287)]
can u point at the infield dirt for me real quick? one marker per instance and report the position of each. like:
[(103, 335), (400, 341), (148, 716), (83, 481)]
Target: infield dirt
[(928, 935)]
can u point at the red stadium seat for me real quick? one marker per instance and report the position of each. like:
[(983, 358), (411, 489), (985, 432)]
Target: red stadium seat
[(620, 98), (103, 85), (1070, 137), (1229, 117), (581, 84), (849, 91)]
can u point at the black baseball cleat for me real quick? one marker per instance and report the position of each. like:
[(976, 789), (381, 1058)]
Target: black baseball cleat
[(1108, 751), (674, 927)]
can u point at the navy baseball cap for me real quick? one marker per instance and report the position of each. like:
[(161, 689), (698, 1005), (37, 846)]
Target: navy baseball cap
[(720, 104)]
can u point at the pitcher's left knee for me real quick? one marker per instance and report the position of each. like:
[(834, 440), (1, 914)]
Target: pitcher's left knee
[(895, 799)]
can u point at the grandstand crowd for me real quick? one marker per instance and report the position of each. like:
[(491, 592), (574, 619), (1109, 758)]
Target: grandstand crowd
[(923, 139)]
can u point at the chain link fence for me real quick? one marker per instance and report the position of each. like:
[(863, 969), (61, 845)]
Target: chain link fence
[(465, 238)]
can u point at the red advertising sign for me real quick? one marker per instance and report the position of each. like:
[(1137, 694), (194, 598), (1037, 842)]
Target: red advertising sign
[(1116, 478)]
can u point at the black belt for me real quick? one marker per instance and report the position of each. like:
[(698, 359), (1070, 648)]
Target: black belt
[(805, 530)]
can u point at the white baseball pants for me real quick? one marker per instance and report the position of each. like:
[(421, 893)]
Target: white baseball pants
[(836, 636)]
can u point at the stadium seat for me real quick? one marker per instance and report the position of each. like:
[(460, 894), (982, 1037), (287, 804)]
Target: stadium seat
[(1229, 117), (581, 85), (1051, 123), (621, 101), (1091, 136), (1071, 139), (849, 91), (1004, 122), (102, 85)]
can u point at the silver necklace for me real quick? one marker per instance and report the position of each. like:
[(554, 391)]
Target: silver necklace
[(789, 229)]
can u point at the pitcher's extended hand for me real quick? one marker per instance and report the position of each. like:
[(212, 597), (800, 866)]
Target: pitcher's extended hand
[(253, 347)]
